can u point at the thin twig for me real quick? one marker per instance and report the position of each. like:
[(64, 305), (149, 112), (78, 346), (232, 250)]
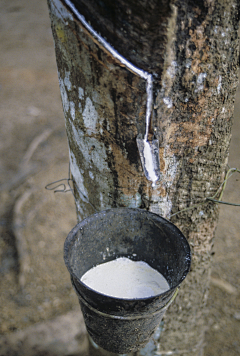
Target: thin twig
[(222, 202), (189, 208)]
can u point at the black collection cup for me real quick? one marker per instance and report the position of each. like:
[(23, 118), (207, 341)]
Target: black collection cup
[(123, 325)]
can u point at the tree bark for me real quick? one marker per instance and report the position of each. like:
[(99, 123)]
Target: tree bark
[(191, 50)]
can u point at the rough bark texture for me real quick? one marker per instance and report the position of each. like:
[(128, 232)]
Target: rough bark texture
[(191, 48)]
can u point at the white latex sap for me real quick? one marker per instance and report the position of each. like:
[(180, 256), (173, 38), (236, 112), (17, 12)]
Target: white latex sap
[(124, 278)]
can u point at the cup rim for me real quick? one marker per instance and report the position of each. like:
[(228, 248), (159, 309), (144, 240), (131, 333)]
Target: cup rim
[(77, 227)]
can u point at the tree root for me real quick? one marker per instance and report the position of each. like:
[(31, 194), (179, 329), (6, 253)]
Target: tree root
[(21, 243), (26, 168)]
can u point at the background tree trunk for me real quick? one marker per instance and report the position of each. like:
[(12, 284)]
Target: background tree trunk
[(191, 48)]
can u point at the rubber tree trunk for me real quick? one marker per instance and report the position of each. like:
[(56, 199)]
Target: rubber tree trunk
[(191, 50)]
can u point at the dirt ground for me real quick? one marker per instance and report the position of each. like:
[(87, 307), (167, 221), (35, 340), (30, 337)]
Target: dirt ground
[(38, 305)]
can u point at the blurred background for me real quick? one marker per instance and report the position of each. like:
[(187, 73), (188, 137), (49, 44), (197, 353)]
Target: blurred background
[(39, 309)]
